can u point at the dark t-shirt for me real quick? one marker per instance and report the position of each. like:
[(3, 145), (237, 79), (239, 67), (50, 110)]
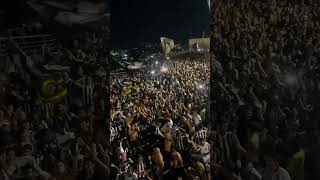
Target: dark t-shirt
[(167, 159), (175, 173)]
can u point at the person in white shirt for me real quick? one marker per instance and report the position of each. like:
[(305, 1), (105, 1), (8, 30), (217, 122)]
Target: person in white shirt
[(204, 147)]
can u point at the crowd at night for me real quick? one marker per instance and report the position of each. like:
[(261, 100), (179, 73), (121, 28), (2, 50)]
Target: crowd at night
[(247, 109), (157, 120), (52, 113), (265, 87)]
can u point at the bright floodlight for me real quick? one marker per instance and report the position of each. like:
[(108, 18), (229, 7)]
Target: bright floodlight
[(168, 58), (157, 62), (200, 86), (153, 72)]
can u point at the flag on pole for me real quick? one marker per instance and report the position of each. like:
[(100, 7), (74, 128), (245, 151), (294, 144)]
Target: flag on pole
[(167, 45)]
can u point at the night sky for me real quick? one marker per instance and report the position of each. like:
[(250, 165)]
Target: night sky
[(16, 12), (138, 21)]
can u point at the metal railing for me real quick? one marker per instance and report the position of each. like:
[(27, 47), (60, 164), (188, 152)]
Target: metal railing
[(29, 44)]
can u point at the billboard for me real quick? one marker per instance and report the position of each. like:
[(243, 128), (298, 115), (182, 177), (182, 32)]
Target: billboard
[(167, 45), (199, 44)]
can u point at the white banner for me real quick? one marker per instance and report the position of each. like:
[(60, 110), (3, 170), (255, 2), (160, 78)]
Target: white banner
[(199, 44), (167, 45)]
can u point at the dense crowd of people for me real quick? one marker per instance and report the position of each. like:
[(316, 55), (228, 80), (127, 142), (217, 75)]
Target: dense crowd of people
[(264, 89), (158, 117), (52, 111), (257, 121)]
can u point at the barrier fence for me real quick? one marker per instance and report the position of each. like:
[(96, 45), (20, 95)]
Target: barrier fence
[(29, 44)]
